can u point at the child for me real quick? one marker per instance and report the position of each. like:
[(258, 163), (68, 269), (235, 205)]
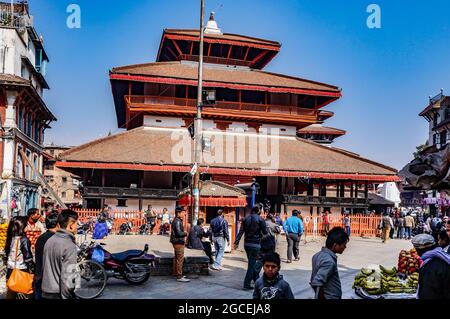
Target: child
[(272, 285)]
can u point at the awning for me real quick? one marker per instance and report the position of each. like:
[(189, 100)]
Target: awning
[(187, 200)]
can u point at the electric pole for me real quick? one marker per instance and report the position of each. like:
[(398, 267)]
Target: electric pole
[(198, 127)]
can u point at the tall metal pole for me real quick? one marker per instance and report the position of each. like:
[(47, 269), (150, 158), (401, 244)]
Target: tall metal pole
[(198, 124)]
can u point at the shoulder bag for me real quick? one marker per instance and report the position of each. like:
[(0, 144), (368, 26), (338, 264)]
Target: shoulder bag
[(20, 281)]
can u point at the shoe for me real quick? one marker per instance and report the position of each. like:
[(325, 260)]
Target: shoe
[(183, 279), (297, 259), (215, 268), (288, 261)]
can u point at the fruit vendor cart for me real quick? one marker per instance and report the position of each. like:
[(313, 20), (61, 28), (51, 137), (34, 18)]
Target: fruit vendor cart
[(378, 282)]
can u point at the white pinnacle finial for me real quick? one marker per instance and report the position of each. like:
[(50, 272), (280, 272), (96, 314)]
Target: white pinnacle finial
[(211, 26)]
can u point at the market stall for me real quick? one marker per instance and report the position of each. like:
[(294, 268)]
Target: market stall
[(378, 282), (215, 195)]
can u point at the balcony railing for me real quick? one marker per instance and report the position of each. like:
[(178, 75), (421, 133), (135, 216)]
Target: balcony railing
[(215, 60), (323, 200), (158, 101), (119, 192)]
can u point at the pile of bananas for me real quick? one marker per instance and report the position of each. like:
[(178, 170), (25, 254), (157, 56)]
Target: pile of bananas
[(413, 281), (370, 281), (3, 228), (391, 283)]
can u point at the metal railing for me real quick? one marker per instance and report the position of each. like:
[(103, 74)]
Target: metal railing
[(19, 20), (158, 101), (215, 60)]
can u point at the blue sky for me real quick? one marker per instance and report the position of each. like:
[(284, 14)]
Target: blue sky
[(386, 74)]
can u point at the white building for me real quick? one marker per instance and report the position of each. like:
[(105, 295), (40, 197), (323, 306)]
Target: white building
[(437, 113), (24, 115)]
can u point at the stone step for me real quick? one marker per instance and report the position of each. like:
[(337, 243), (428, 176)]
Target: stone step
[(198, 265)]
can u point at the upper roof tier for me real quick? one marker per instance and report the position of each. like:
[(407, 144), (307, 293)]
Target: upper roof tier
[(220, 48), (222, 76)]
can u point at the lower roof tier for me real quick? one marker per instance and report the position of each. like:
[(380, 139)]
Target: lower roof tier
[(158, 149)]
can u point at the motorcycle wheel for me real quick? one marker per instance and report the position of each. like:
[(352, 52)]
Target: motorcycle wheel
[(93, 280), (136, 280)]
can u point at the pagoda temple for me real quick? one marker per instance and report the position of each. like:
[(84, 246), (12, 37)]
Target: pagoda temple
[(256, 129)]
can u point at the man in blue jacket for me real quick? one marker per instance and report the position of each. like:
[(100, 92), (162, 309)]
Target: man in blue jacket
[(219, 230), (293, 228)]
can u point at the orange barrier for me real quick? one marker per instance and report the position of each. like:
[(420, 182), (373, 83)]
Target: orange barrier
[(360, 225), (119, 217)]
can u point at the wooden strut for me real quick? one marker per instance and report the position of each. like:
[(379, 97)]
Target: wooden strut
[(43, 181)]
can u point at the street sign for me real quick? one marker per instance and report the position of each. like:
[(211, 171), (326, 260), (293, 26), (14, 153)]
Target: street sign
[(193, 169)]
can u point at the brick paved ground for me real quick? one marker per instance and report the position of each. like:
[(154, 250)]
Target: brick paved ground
[(228, 283)]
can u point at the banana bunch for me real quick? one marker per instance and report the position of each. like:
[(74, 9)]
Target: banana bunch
[(390, 282), (413, 281), (3, 228), (368, 280)]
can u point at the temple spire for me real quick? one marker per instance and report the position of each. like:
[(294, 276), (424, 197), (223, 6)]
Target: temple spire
[(211, 26)]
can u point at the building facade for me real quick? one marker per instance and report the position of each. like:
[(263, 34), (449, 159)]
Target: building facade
[(251, 131), (437, 113), (23, 112), (66, 186)]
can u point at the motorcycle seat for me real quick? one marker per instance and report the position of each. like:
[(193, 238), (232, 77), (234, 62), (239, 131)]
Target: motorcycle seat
[(127, 255)]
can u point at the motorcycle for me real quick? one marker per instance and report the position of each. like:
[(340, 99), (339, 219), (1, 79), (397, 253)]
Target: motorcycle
[(125, 228), (144, 229), (133, 266)]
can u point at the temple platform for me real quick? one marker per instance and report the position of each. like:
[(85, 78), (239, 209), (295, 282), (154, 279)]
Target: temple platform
[(195, 261)]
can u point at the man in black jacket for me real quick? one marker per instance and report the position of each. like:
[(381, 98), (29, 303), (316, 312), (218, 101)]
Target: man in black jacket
[(195, 240), (177, 238), (434, 274), (254, 228)]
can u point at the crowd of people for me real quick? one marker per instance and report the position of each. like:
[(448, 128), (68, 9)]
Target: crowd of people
[(42, 260), (403, 225), (49, 252)]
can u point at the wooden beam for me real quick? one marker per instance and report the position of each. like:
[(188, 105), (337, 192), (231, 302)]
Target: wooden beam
[(366, 189), (173, 53), (229, 51), (177, 47), (246, 53), (259, 57), (192, 47), (326, 102), (209, 49)]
